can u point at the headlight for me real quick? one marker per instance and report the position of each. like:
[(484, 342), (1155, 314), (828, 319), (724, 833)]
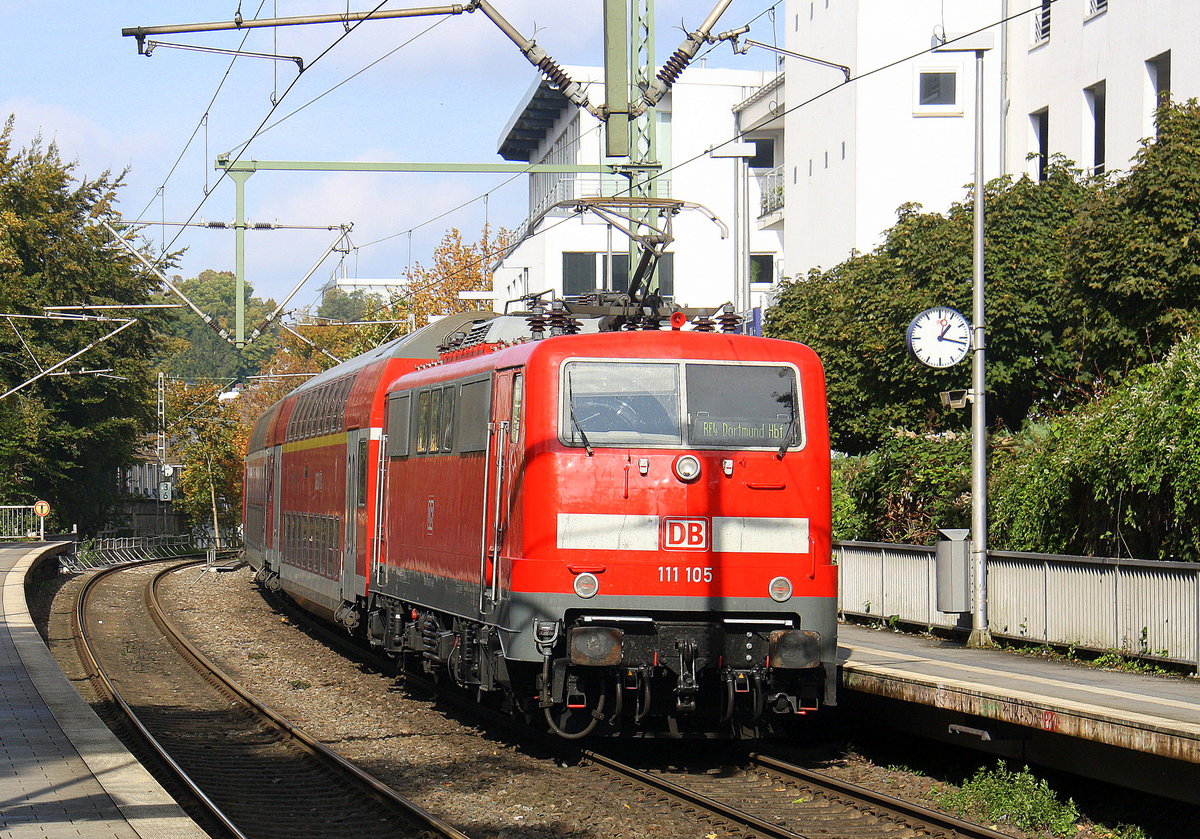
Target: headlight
[(780, 589), (586, 585), (687, 468)]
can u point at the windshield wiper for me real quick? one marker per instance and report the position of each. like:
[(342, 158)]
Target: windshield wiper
[(789, 434), (575, 420)]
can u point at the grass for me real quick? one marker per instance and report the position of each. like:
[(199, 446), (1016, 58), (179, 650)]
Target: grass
[(1001, 796)]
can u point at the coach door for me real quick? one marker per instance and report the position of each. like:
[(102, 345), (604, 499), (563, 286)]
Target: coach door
[(505, 438), (354, 523)]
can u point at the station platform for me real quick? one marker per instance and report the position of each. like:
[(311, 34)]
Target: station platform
[(62, 772), (1104, 724)]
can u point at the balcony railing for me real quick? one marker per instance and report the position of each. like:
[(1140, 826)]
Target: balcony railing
[(771, 187), (1041, 23)]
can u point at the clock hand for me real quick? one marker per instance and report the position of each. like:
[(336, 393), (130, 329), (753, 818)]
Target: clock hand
[(951, 340), (942, 335)]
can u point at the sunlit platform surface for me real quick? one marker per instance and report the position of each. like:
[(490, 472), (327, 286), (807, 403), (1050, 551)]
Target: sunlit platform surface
[(1113, 725), (62, 772)]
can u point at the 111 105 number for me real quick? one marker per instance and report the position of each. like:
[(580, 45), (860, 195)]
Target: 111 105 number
[(691, 574)]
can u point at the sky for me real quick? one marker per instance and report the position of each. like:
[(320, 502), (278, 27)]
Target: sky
[(435, 89)]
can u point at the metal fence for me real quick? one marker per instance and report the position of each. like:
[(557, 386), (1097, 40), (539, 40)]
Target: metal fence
[(19, 523), (1141, 608), (100, 553)]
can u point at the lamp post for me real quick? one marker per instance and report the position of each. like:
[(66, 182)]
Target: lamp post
[(981, 636)]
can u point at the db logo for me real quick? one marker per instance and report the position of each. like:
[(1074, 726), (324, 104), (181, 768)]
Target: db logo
[(685, 534)]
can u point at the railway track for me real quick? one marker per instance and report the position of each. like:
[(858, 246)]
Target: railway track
[(257, 774), (765, 797), (772, 798)]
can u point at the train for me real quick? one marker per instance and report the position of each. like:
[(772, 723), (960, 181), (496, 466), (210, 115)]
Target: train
[(611, 525)]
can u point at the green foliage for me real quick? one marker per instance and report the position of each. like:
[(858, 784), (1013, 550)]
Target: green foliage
[(63, 438), (911, 486), (340, 306), (1119, 477), (1002, 796), (211, 443), (1134, 252), (849, 523), (194, 350), (855, 314)]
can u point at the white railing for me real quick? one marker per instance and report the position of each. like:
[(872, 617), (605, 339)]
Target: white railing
[(771, 187), (19, 523), (1142, 608), (1041, 23), (100, 553)]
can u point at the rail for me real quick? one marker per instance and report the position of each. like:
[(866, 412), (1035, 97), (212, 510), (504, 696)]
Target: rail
[(1140, 608)]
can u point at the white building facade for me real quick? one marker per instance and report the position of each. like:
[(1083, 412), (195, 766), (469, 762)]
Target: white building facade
[(570, 254), (1085, 77), (1080, 78)]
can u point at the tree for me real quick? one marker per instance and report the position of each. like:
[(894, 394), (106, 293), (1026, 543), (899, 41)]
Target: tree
[(1119, 477), (1133, 253), (66, 437), (457, 266), (210, 442), (192, 349), (855, 314), (426, 293)]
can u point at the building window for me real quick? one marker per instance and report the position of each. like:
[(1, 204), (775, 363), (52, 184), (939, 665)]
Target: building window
[(764, 154), (1041, 22), (935, 92), (618, 278), (1096, 7), (762, 268), (579, 273), (1158, 89), (937, 89), (583, 272), (1039, 124), (1094, 98)]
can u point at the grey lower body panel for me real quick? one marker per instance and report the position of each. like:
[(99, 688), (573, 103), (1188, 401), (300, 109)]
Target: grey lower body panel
[(515, 613)]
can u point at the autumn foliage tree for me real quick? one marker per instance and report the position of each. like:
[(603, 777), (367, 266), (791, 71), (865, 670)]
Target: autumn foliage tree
[(208, 438), (426, 292)]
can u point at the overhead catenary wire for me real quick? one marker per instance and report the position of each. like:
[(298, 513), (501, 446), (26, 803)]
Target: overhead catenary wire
[(853, 78)]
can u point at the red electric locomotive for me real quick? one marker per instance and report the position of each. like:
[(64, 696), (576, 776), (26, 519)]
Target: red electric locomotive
[(624, 532)]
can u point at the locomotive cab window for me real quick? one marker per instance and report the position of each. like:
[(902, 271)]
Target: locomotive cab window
[(702, 405), (621, 403)]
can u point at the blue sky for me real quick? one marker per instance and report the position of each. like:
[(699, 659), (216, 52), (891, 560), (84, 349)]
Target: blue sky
[(67, 74)]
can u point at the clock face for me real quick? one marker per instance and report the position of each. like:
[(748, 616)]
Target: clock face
[(939, 337)]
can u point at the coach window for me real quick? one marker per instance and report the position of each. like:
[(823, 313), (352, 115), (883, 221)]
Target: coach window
[(423, 421), (447, 418), (518, 401), (397, 426), (362, 472), (327, 393)]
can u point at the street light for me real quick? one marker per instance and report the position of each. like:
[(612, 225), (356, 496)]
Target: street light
[(978, 43)]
